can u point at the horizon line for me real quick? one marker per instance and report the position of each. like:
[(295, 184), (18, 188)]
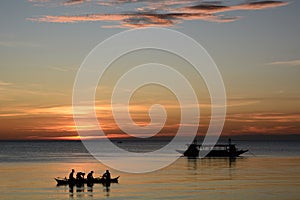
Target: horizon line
[(155, 138)]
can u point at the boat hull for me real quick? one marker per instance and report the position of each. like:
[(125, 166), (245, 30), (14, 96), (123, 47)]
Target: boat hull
[(213, 153), (61, 181)]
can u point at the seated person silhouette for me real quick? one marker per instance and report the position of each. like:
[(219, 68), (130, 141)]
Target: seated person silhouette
[(80, 176), (90, 177), (106, 175)]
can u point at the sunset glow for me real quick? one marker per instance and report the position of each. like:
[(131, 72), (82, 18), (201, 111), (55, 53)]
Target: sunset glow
[(255, 45)]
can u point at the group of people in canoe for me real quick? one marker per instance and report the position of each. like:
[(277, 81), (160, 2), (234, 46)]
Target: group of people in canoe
[(80, 179), (90, 178)]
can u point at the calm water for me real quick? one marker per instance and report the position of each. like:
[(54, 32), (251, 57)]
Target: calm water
[(270, 171)]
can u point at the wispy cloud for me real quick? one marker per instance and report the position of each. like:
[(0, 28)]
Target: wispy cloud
[(58, 119), (265, 130), (285, 63), (62, 69), (262, 123), (4, 83), (73, 2), (17, 44), (265, 117), (56, 2), (159, 13), (17, 92)]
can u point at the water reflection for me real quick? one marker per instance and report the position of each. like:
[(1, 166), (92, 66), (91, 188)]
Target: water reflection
[(222, 169), (71, 190), (192, 163), (106, 189), (253, 177), (87, 190), (195, 163), (90, 190), (80, 189), (219, 162)]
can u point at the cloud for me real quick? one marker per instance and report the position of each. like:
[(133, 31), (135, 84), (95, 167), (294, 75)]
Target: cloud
[(18, 92), (73, 2), (217, 8), (4, 83), (135, 20), (17, 44), (158, 13), (58, 3), (286, 63), (39, 1), (262, 123), (62, 69), (265, 130), (265, 117), (58, 120), (259, 5)]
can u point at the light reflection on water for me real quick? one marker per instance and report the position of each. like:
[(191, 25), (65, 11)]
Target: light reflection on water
[(27, 170), (251, 178), (74, 151)]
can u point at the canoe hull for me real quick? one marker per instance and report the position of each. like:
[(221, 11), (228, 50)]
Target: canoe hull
[(61, 181)]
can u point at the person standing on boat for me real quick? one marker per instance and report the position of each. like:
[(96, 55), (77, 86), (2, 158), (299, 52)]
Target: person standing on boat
[(71, 175), (106, 175)]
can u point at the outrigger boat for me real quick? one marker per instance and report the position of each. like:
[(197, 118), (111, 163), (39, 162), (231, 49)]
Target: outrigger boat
[(65, 181), (218, 150)]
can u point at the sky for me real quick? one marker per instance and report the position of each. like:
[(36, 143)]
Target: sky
[(255, 45)]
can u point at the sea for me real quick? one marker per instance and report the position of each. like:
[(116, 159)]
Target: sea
[(270, 170)]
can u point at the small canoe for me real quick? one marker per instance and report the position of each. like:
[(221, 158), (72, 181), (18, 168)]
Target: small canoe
[(65, 181)]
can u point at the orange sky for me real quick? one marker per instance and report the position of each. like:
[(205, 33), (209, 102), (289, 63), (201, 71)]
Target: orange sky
[(57, 122), (43, 43)]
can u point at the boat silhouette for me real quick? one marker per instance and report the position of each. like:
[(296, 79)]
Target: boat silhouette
[(65, 181), (218, 150)]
